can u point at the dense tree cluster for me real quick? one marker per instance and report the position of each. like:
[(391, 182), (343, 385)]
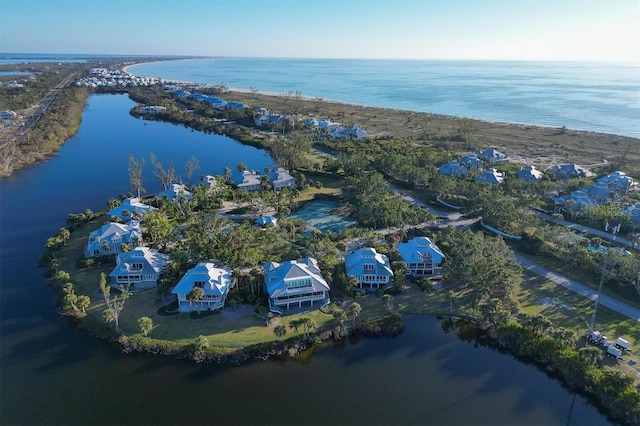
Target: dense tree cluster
[(479, 267)]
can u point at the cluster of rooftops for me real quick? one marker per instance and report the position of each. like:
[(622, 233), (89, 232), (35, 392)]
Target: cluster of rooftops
[(262, 116), (114, 78), (291, 285), (605, 189)]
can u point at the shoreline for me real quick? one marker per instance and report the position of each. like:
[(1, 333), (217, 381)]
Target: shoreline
[(521, 125)]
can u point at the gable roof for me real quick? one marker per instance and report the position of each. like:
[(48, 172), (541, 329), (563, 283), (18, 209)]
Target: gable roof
[(277, 276), (175, 192), (491, 154), (249, 179), (131, 205), (152, 261), (419, 248), (452, 168), (529, 173), (490, 176), (354, 262), (216, 280)]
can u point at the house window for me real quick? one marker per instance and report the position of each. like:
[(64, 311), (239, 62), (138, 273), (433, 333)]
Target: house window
[(368, 267), (136, 266), (297, 283), (199, 284)]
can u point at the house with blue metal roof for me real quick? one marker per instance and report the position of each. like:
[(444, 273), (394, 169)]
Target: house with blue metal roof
[(295, 284), (110, 237), (472, 162), (577, 200), (529, 174), (491, 176), (453, 168), (251, 181), (280, 178), (215, 283), (568, 171), (422, 257), (139, 268), (371, 269), (235, 105), (492, 156), (130, 209), (265, 221), (618, 180)]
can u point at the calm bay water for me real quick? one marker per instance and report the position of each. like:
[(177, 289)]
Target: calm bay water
[(53, 373), (600, 97)]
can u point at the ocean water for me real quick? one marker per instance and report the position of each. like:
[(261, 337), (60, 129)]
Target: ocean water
[(601, 97)]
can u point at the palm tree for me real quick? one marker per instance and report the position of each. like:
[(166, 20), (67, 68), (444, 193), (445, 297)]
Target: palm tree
[(83, 303), (354, 310), (341, 316), (194, 296), (227, 174), (145, 324), (308, 324), (241, 167), (280, 331)]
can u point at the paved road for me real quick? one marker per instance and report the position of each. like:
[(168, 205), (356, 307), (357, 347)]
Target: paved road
[(456, 219), (579, 288), (602, 234)]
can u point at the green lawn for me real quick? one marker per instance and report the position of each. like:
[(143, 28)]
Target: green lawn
[(536, 295), (627, 294), (570, 310)]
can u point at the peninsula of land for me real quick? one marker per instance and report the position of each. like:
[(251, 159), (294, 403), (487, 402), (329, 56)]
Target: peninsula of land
[(371, 162)]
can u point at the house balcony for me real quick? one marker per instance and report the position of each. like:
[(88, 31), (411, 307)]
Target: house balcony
[(299, 304)]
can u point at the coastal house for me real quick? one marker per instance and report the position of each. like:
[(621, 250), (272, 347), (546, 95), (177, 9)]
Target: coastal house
[(251, 181), (282, 179), (209, 181), (633, 212), (351, 132), (492, 156), (215, 283), (110, 238), (152, 109), (422, 257), (568, 171), (216, 103), (311, 122), (529, 174), (471, 162), (265, 221), (235, 105), (618, 181), (453, 168), (139, 268), (175, 192), (371, 269), (599, 191), (130, 209), (295, 284), (491, 176), (577, 200)]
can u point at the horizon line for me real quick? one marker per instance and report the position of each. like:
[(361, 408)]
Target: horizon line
[(3, 55)]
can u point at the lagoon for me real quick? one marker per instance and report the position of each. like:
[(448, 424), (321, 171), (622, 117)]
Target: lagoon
[(53, 373)]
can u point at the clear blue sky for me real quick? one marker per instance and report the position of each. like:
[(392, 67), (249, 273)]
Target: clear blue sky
[(602, 30)]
